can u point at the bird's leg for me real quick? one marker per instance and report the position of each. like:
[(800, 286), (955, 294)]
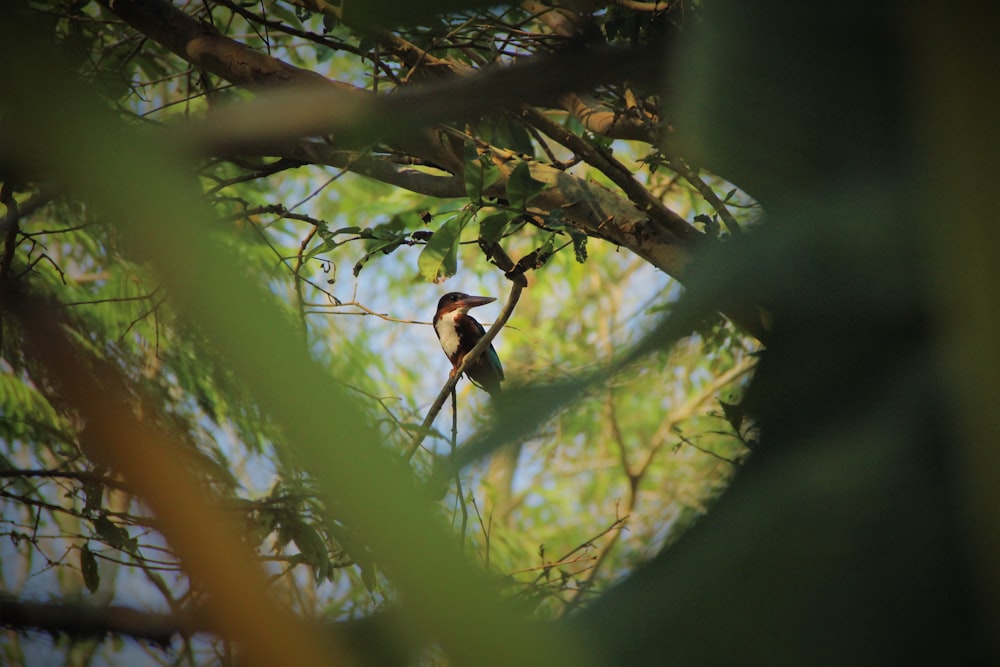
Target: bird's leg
[(454, 366)]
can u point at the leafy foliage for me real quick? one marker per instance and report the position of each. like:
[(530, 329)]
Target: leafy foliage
[(292, 227)]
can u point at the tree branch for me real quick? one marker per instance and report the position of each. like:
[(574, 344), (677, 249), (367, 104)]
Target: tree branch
[(411, 54), (596, 117), (607, 122), (619, 175), (88, 620), (310, 109), (443, 185), (80, 476), (201, 45), (370, 637)]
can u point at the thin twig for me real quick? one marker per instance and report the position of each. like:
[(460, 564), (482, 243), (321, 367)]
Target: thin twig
[(299, 298), (82, 476), (619, 522), (487, 530), (708, 193), (459, 493), (687, 441), (547, 567)]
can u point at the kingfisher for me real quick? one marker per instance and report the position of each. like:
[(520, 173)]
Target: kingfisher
[(459, 333)]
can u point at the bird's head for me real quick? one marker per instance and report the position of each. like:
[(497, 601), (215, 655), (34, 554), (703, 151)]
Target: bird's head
[(461, 302)]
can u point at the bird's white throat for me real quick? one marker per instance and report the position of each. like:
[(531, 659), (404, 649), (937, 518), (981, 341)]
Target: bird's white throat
[(448, 333)]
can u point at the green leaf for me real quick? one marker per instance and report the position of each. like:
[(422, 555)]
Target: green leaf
[(492, 227), (388, 231), (324, 53), (330, 239), (329, 23), (365, 46), (579, 245), (314, 550), (735, 414), (385, 248), (113, 534), (556, 219), (286, 531), (480, 173), (310, 544), (285, 14), (546, 250), (88, 566), (600, 141), (439, 258), (368, 575), (573, 124), (521, 187), (711, 223), (94, 492), (508, 133)]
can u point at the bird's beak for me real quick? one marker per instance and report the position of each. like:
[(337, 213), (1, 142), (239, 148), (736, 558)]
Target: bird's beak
[(473, 301)]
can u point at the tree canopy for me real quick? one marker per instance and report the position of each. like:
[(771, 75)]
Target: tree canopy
[(740, 420)]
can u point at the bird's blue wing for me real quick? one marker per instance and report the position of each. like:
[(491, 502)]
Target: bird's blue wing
[(490, 353)]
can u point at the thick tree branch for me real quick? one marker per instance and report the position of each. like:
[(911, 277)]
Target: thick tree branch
[(601, 213), (443, 184), (370, 638), (363, 118), (409, 53), (708, 194), (596, 117), (88, 620), (201, 45), (607, 122), (86, 477), (619, 175)]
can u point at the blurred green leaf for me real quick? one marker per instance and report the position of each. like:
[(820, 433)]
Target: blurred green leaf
[(94, 492), (110, 532), (521, 187), (480, 172), (88, 566), (313, 549), (579, 245), (439, 258), (492, 227), (505, 132)]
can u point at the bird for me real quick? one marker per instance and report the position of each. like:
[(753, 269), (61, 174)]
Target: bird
[(458, 333)]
